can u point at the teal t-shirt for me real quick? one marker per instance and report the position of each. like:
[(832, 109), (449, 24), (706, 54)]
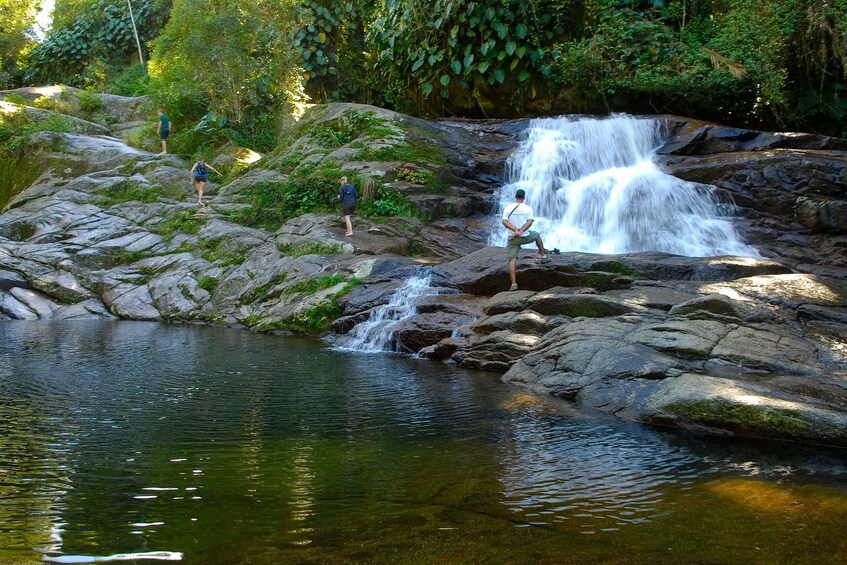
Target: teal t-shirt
[(166, 123)]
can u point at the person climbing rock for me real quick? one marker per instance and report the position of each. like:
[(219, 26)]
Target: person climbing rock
[(201, 176), (347, 195), (519, 214), (163, 128)]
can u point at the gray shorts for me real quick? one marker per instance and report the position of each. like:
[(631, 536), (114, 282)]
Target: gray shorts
[(514, 245)]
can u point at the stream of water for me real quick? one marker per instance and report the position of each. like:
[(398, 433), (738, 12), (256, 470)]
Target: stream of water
[(214, 446), (376, 334), (594, 187)]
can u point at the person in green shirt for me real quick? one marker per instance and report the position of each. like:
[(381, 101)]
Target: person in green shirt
[(163, 128)]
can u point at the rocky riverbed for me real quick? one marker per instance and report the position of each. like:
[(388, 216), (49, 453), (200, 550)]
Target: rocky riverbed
[(722, 344)]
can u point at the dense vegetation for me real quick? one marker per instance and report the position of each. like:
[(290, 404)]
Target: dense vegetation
[(763, 63)]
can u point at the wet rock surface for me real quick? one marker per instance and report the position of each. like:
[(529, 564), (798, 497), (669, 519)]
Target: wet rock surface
[(721, 344)]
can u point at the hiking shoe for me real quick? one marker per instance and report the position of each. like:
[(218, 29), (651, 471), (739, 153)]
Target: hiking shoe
[(545, 259), (513, 287)]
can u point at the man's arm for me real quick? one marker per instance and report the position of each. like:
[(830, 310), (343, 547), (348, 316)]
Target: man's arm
[(515, 230)]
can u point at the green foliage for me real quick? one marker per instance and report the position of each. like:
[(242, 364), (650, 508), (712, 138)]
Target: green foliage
[(131, 80), (311, 286), (316, 248), (81, 52), (17, 169), (762, 64), (308, 189), (330, 42), (125, 257), (344, 129), (15, 98), (386, 203), (184, 222), (89, 103), (16, 20), (316, 319), (455, 45), (223, 252), (413, 176), (16, 128), (229, 57), (209, 284), (17, 172), (412, 152)]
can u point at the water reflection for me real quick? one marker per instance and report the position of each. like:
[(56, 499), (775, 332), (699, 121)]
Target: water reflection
[(227, 446)]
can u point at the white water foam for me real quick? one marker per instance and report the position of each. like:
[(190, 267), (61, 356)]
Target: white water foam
[(594, 187), (149, 555), (376, 334)]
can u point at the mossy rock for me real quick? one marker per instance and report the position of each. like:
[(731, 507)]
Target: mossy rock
[(758, 420)]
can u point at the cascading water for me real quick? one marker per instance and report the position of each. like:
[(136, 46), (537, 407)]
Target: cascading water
[(377, 332), (594, 187)]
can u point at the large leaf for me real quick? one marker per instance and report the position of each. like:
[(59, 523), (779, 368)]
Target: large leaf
[(520, 30)]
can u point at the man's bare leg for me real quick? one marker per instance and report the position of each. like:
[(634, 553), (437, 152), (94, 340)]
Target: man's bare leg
[(512, 263)]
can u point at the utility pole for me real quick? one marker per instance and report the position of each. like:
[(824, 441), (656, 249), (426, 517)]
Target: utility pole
[(135, 30)]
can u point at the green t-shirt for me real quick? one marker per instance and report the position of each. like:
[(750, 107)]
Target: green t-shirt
[(166, 123)]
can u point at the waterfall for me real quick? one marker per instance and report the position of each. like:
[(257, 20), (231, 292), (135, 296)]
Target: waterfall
[(377, 332), (594, 187)]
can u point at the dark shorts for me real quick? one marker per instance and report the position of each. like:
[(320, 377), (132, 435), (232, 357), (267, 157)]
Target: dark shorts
[(348, 209), (201, 178), (163, 134)]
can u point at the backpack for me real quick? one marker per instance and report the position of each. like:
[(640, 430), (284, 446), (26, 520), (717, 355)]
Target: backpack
[(201, 168)]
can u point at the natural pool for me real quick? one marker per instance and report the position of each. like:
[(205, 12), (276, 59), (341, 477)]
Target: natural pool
[(233, 447)]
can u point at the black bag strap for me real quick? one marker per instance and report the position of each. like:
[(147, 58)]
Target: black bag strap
[(513, 211)]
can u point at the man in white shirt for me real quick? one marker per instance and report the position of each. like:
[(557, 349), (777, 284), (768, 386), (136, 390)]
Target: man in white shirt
[(517, 218)]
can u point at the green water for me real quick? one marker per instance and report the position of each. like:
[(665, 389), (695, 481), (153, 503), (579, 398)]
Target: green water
[(232, 447)]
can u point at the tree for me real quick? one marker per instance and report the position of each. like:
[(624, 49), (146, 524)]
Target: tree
[(228, 56), (16, 20)]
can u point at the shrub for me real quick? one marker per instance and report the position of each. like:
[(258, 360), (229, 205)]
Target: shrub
[(387, 203), (413, 176), (131, 81), (16, 98), (89, 103), (209, 284), (311, 286), (315, 248), (310, 188)]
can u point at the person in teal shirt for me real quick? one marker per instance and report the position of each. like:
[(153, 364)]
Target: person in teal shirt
[(163, 128)]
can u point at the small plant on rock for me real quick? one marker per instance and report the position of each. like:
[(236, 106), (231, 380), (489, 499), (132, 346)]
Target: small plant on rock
[(413, 176)]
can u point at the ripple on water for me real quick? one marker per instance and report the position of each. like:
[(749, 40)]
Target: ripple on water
[(140, 436)]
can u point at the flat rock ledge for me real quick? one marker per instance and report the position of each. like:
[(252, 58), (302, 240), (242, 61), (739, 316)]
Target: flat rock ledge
[(720, 345)]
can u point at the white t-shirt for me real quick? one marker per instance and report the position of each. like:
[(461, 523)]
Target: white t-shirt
[(517, 214)]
